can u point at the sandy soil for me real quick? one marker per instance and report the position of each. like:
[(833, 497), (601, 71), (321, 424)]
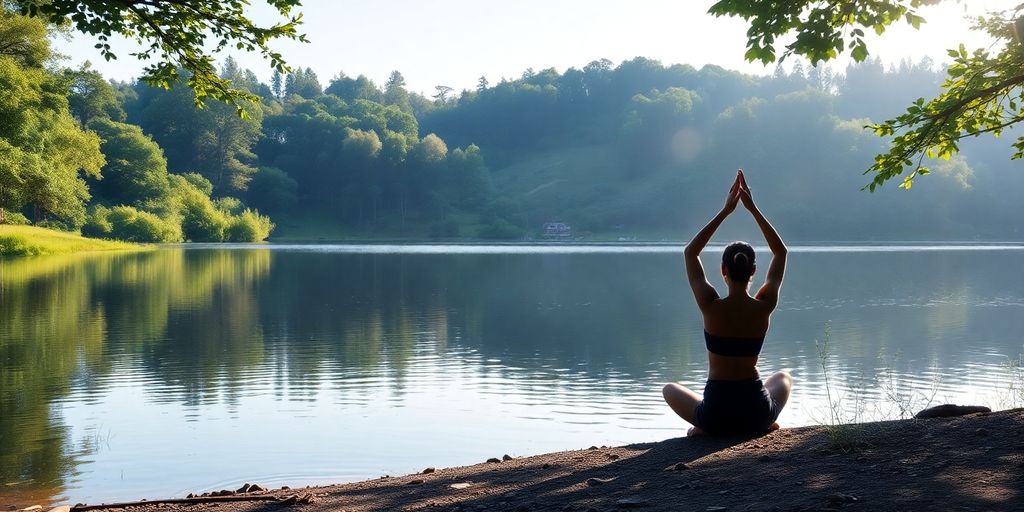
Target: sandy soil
[(973, 462)]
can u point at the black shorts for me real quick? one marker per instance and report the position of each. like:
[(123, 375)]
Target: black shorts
[(736, 407)]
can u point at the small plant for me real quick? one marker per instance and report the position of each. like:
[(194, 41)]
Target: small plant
[(840, 431), (905, 401), (1015, 383)]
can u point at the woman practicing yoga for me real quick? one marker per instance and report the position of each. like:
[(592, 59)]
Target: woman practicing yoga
[(735, 400)]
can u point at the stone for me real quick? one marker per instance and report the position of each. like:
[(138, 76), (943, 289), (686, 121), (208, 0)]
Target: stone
[(612, 456), (506, 457), (593, 481), (257, 488), (243, 489), (592, 448), (841, 498), (678, 466), (290, 500), (33, 508), (62, 508), (494, 460), (546, 465), (414, 481), (632, 502), (428, 471), (950, 410), (460, 485)]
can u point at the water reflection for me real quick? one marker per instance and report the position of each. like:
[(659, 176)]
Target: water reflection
[(166, 372)]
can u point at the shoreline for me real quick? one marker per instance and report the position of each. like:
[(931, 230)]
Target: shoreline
[(971, 462)]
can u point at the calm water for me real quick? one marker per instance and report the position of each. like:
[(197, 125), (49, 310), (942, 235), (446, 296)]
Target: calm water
[(181, 370)]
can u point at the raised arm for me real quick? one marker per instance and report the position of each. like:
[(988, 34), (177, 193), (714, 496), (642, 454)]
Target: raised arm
[(769, 292), (703, 292)]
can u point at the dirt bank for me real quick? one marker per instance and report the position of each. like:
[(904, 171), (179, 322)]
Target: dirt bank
[(973, 462)]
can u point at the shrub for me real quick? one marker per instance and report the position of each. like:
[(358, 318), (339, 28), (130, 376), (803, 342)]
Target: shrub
[(201, 221), (229, 205), (97, 223), (130, 224), (12, 245), (15, 219), (249, 226)]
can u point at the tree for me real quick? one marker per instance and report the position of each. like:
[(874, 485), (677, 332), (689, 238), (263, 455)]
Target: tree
[(178, 34), (214, 140), (395, 93), (136, 170), (276, 84), (90, 96), (982, 92), (43, 150)]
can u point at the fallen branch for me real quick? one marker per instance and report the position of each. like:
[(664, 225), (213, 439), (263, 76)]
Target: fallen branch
[(197, 499)]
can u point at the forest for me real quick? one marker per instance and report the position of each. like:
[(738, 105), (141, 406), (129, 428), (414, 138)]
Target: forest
[(636, 150)]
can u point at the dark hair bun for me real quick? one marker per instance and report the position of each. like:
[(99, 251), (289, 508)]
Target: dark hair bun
[(738, 260)]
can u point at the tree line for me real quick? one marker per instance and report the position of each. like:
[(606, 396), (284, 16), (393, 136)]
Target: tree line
[(633, 149)]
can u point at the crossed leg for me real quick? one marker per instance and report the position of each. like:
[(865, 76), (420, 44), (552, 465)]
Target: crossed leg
[(684, 402)]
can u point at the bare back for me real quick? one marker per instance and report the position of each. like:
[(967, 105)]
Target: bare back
[(739, 316)]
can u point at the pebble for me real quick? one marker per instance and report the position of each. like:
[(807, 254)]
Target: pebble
[(461, 485), (612, 456), (32, 508), (62, 508), (428, 471), (243, 489), (592, 448), (506, 457), (546, 465), (283, 488), (678, 466), (415, 481), (493, 460), (631, 502), (838, 498), (599, 481)]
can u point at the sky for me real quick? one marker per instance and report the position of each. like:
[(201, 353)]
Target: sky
[(454, 42)]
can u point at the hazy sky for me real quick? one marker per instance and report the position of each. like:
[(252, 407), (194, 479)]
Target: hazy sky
[(453, 42)]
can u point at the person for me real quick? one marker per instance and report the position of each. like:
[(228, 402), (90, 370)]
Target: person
[(735, 400)]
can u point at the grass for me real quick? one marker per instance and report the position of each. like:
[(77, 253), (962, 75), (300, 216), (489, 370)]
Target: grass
[(36, 241)]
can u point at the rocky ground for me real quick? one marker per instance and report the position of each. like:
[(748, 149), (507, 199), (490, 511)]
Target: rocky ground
[(973, 462)]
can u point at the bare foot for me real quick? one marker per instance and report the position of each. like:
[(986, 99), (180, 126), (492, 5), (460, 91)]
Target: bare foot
[(774, 427), (694, 432)]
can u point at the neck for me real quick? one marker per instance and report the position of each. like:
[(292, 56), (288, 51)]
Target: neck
[(739, 289)]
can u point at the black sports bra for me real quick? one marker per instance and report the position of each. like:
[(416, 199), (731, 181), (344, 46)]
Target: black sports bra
[(733, 345)]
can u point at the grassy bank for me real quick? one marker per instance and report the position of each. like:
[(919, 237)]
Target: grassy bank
[(35, 241)]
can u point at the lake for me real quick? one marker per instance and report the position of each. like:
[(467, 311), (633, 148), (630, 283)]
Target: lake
[(156, 374)]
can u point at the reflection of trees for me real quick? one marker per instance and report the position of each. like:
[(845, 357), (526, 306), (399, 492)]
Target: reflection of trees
[(67, 319), (49, 335)]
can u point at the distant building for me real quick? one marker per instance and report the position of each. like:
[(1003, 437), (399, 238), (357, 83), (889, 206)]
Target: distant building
[(557, 230)]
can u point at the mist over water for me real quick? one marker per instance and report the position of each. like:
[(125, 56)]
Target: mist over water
[(182, 370)]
